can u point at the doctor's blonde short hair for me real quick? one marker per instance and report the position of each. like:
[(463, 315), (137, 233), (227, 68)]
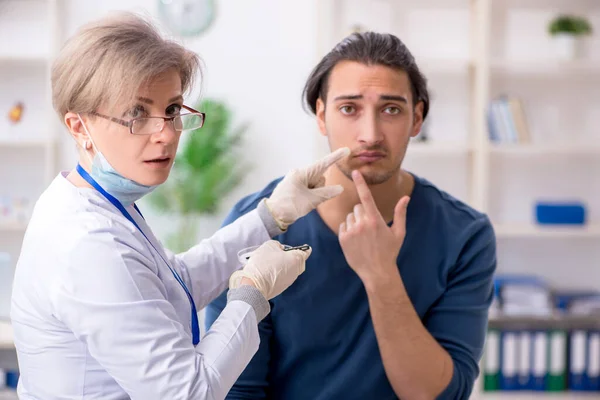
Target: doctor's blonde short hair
[(107, 62)]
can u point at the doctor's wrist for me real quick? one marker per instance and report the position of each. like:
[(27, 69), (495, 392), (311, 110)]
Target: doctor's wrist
[(252, 296), (274, 227)]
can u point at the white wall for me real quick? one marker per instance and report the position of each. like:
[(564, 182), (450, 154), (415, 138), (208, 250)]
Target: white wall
[(257, 57)]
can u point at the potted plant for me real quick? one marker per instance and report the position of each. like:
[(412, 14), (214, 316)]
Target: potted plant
[(206, 169), (567, 32)]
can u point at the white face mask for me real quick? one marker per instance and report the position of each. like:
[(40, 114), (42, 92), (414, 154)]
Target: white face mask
[(125, 190)]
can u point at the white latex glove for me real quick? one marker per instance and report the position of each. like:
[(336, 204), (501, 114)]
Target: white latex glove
[(271, 269), (302, 190)]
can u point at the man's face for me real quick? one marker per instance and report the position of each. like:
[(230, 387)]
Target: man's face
[(369, 109)]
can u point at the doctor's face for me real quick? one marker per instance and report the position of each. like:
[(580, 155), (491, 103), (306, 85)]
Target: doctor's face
[(144, 158), (369, 108)]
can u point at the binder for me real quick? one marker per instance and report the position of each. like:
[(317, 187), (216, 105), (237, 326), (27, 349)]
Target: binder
[(557, 354), (593, 362), (524, 351), (491, 361), (509, 360), (577, 360), (540, 361)]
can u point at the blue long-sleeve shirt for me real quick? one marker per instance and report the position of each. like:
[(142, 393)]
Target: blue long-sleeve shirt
[(319, 343)]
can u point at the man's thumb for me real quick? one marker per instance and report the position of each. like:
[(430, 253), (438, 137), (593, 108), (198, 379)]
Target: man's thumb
[(399, 225)]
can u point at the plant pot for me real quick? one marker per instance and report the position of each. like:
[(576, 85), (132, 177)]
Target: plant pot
[(568, 47)]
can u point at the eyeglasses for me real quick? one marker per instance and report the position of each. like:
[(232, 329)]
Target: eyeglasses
[(151, 125)]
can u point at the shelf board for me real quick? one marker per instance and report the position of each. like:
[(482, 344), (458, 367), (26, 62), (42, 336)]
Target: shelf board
[(529, 395), (23, 58), (34, 142), (538, 231), (545, 67), (518, 149), (6, 336), (8, 394), (432, 66), (12, 226), (437, 149)]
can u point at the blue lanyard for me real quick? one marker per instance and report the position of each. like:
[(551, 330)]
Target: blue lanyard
[(117, 203)]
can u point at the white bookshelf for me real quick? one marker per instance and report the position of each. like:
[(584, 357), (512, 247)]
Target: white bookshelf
[(28, 146), (472, 51), (28, 149)]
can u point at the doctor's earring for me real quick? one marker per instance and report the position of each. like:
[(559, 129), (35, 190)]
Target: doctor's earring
[(86, 145)]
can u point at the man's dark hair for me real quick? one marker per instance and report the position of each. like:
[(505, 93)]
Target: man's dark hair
[(369, 48)]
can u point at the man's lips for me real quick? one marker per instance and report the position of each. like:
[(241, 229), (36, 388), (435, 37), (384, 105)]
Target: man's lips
[(370, 156)]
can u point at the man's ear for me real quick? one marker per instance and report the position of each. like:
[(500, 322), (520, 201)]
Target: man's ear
[(77, 130), (417, 119), (320, 113)]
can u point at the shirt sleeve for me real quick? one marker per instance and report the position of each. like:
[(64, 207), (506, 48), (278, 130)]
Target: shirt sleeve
[(253, 383), (112, 300), (459, 319), (206, 267)]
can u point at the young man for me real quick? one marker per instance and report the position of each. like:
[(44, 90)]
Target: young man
[(395, 296)]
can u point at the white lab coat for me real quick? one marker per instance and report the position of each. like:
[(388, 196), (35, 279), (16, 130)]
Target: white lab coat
[(97, 314)]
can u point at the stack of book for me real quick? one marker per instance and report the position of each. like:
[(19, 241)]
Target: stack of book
[(548, 341), (506, 121)]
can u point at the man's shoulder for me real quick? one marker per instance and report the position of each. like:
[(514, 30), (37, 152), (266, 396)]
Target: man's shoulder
[(250, 202), (449, 208)]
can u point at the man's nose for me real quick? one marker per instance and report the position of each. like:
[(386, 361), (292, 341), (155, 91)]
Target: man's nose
[(370, 132)]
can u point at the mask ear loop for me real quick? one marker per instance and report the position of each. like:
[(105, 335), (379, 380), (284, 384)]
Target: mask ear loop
[(86, 143)]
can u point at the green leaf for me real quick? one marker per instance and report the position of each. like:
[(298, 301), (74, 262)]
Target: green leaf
[(571, 24)]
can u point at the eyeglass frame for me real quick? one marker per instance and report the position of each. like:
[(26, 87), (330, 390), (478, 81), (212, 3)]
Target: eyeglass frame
[(129, 124)]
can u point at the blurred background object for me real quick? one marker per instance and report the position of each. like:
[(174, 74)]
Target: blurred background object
[(209, 165), (512, 130), (187, 17), (568, 33)]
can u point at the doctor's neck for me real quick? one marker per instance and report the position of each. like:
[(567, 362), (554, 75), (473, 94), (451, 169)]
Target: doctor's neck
[(385, 194), (76, 179)]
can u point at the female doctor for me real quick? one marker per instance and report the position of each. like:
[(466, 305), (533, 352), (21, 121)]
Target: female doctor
[(100, 309)]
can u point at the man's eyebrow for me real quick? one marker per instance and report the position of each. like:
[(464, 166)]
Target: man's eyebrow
[(393, 97), (382, 97), (349, 97)]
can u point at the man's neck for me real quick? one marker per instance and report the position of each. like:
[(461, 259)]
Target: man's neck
[(386, 196)]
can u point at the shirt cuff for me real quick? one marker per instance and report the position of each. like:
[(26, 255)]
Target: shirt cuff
[(451, 391), (252, 296), (268, 219)]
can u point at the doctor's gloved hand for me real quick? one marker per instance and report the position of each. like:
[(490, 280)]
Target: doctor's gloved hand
[(271, 269), (302, 190)]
